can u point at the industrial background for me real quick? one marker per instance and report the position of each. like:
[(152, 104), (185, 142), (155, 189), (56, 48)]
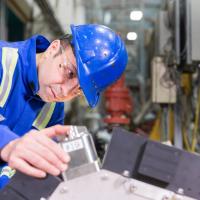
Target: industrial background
[(158, 96)]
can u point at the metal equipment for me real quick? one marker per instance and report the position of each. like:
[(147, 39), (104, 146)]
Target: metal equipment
[(82, 151), (133, 168), (153, 162), (178, 33), (106, 185)]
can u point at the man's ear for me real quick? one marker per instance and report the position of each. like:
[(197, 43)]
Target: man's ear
[(53, 48)]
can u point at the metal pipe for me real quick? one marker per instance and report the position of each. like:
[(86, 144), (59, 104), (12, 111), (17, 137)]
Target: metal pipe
[(3, 27), (50, 17)]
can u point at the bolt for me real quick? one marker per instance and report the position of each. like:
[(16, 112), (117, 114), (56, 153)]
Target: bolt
[(180, 191), (132, 188), (42, 198), (126, 173), (104, 177), (129, 186), (64, 190)]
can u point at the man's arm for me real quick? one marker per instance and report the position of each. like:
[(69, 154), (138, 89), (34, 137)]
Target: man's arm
[(6, 135), (35, 153)]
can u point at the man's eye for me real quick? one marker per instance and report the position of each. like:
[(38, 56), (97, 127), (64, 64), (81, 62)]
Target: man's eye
[(70, 74)]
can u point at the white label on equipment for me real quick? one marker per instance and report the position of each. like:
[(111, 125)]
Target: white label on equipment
[(73, 145)]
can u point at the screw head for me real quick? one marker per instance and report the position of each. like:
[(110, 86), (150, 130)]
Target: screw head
[(126, 173), (42, 198), (63, 190), (180, 191), (104, 177), (132, 188)]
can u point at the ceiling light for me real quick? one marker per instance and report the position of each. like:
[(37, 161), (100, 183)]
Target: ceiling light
[(107, 17), (136, 15), (132, 36)]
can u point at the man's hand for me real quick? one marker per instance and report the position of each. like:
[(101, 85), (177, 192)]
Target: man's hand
[(36, 154)]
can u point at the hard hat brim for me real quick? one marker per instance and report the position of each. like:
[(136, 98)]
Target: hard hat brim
[(86, 84)]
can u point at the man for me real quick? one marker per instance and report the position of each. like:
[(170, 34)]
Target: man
[(36, 77)]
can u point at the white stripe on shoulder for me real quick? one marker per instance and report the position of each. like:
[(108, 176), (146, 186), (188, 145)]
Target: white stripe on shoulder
[(9, 62)]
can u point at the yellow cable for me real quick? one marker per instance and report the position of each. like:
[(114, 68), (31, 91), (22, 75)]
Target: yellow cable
[(185, 140), (171, 123), (186, 80), (196, 123), (155, 132)]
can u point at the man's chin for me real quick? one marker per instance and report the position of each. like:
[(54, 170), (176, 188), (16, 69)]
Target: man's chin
[(45, 99), (49, 100), (64, 99)]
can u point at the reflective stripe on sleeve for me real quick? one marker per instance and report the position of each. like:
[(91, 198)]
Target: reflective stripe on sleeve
[(7, 171), (44, 116), (9, 61)]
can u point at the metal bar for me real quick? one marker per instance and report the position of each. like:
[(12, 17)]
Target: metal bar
[(3, 27), (50, 17)]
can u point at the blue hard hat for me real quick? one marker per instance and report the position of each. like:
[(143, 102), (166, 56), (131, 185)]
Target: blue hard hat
[(101, 58)]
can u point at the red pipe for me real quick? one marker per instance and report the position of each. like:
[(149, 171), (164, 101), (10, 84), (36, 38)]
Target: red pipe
[(118, 103)]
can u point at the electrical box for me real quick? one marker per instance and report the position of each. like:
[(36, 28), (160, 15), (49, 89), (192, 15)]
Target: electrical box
[(193, 30)]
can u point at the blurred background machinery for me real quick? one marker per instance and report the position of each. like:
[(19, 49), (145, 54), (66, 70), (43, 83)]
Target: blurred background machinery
[(118, 103), (159, 95)]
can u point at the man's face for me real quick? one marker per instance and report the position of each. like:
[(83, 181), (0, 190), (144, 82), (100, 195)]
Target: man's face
[(57, 74)]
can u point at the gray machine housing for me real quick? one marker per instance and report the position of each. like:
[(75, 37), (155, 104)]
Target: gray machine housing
[(80, 146), (133, 168)]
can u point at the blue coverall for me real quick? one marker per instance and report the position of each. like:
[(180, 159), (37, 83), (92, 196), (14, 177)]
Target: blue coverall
[(20, 108)]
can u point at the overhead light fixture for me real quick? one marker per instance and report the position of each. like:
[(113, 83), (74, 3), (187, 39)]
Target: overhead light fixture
[(136, 15), (107, 17), (131, 36)]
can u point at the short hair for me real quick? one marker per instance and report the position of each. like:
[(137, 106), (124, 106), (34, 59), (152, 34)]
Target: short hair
[(65, 41)]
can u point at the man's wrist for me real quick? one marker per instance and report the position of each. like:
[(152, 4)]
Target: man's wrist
[(6, 136)]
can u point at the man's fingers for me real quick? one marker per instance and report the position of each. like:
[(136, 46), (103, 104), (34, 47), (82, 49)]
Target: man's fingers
[(47, 154), (55, 131), (54, 147), (36, 154), (27, 169), (38, 162)]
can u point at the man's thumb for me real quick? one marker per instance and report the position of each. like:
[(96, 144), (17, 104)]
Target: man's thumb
[(56, 130)]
